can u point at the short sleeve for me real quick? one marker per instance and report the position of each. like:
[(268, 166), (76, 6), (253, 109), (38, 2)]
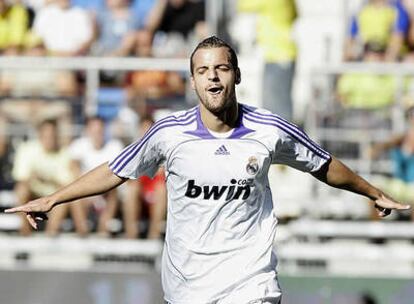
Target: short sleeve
[(402, 22), (295, 149), (353, 29), (84, 24), (140, 158), (19, 20), (40, 22), (76, 149), (165, 19), (65, 176), (115, 146), (22, 163), (141, 10)]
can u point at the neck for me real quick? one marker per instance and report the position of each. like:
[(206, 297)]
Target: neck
[(221, 122), (51, 150)]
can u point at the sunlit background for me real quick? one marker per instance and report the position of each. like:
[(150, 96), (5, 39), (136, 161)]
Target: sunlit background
[(81, 79)]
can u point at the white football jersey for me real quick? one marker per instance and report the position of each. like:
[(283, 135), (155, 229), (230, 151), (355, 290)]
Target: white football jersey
[(220, 223)]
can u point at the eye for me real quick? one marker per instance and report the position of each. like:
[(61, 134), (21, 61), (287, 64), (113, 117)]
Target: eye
[(201, 70), (224, 68)]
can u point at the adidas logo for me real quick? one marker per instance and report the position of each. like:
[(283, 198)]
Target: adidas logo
[(222, 151)]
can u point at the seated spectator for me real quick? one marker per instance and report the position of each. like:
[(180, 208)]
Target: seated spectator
[(145, 194), (6, 161), (141, 9), (42, 166), (14, 24), (380, 22), (149, 89), (28, 92), (155, 89), (408, 6), (37, 83), (7, 153), (173, 22), (65, 30), (88, 152), (401, 153), (35, 5), (117, 26), (408, 95), (366, 90), (92, 6)]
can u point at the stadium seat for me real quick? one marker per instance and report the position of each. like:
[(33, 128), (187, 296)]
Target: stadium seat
[(110, 100)]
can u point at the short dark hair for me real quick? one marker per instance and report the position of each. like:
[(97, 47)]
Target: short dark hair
[(91, 118), (50, 121), (375, 47), (215, 42)]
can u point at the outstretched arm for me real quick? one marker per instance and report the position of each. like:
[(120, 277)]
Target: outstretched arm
[(97, 181), (337, 175)]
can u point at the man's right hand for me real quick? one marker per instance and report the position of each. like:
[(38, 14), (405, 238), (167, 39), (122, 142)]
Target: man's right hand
[(35, 210), (97, 181)]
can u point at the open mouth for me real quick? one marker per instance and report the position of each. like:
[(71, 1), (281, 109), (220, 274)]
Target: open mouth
[(215, 90)]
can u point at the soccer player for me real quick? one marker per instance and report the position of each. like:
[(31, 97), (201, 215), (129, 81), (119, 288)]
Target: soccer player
[(220, 222)]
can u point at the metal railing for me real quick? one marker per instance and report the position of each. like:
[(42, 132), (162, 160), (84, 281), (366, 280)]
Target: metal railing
[(92, 66), (323, 101)]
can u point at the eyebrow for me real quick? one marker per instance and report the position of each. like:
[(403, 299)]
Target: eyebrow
[(229, 65)]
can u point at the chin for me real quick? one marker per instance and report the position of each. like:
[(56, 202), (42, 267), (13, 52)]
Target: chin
[(216, 108)]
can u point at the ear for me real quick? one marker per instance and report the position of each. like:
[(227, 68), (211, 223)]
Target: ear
[(192, 82), (238, 76)]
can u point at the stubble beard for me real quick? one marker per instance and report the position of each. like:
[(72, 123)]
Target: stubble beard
[(219, 106)]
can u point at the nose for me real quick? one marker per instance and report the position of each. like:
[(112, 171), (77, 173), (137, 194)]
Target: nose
[(212, 75)]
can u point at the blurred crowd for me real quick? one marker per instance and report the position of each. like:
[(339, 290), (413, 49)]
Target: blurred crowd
[(44, 163), (109, 28), (100, 27), (380, 32), (67, 142)]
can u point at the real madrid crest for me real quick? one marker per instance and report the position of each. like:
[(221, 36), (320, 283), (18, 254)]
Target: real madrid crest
[(252, 166)]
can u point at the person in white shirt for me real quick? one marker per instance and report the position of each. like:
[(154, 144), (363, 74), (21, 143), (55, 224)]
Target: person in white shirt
[(64, 30), (89, 151), (94, 147), (220, 220)]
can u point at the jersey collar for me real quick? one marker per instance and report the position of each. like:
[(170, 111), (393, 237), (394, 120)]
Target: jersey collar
[(202, 132)]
